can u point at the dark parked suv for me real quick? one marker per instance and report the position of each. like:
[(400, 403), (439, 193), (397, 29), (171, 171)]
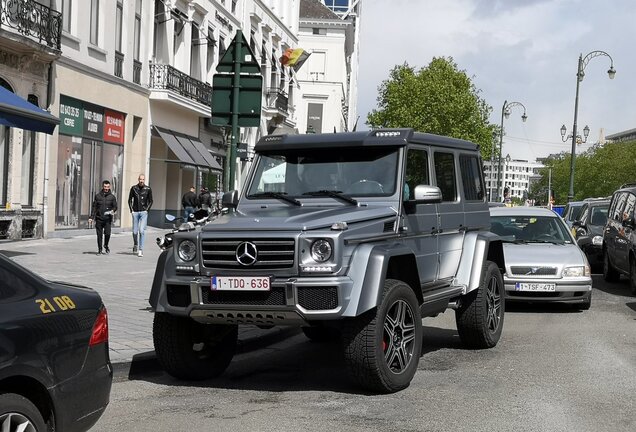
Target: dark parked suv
[(619, 237), (588, 230)]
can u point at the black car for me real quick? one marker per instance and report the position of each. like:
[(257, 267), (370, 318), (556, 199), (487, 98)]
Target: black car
[(588, 230), (55, 372), (619, 237)]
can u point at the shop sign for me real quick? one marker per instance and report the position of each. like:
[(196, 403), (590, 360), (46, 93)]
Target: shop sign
[(71, 118), (93, 121), (114, 127)]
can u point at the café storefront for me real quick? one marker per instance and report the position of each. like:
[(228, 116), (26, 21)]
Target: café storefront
[(90, 150)]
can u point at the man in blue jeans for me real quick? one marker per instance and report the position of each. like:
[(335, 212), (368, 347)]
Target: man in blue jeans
[(139, 202)]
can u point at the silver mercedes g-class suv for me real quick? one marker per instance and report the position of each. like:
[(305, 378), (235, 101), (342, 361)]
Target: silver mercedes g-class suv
[(352, 235)]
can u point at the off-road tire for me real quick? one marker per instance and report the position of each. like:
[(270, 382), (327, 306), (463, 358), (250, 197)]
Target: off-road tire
[(610, 274), (321, 334), (480, 315), (368, 337), (190, 350), (23, 410)]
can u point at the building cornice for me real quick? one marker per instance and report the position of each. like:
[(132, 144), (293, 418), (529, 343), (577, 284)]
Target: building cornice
[(315, 22), (277, 20), (82, 68)]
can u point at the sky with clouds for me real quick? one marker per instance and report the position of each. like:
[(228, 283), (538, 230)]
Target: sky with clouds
[(515, 50)]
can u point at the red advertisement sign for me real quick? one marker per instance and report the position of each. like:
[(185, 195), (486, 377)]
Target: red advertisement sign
[(114, 127)]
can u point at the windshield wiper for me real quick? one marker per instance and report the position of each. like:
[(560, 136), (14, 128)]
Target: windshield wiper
[(278, 195), (333, 194), (556, 242)]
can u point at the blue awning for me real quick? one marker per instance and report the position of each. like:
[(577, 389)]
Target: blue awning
[(17, 112)]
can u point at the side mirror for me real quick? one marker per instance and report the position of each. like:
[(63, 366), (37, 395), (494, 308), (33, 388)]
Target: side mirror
[(427, 194), (230, 199), (577, 224)]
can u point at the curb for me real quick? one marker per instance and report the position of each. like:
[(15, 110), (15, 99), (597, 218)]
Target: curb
[(146, 363)]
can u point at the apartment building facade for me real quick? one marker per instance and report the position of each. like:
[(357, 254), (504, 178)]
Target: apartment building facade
[(516, 174)]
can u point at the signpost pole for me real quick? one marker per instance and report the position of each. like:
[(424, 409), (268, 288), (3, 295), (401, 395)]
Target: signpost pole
[(236, 80)]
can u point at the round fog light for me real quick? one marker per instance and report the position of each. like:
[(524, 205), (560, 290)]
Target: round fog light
[(321, 250)]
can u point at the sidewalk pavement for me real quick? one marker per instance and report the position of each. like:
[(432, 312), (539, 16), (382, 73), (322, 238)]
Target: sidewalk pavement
[(123, 280)]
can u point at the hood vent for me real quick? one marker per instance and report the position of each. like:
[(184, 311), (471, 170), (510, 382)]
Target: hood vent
[(389, 226)]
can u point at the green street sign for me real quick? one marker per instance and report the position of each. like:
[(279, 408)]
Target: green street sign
[(249, 104), (248, 61)]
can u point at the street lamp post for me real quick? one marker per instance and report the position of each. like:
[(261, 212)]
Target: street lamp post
[(505, 112), (580, 74)]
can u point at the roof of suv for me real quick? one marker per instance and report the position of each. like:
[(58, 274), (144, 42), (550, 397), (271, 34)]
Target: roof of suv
[(376, 137)]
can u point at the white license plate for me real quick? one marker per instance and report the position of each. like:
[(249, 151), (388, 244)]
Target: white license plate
[(535, 286), (238, 283)]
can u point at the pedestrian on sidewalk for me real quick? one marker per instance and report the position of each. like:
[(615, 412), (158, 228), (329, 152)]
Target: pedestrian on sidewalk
[(102, 212), (139, 202), (205, 200), (189, 202)]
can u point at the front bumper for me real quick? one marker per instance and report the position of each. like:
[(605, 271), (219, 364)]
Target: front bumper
[(290, 301), (575, 290)]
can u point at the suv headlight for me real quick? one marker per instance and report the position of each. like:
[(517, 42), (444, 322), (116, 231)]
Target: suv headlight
[(321, 250), (187, 250), (597, 240), (577, 271)]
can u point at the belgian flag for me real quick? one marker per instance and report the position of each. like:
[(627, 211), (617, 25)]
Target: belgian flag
[(294, 58)]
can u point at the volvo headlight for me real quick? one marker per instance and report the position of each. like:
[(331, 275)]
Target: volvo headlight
[(187, 250), (577, 271), (321, 250), (597, 240)]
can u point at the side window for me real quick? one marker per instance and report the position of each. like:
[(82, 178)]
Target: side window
[(445, 175), (629, 207), (13, 288), (471, 178), (618, 206), (416, 172)]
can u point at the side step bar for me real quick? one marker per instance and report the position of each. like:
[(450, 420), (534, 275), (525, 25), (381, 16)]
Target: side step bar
[(438, 300)]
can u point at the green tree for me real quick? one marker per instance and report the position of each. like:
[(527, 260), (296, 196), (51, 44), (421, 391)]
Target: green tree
[(598, 172), (439, 99)]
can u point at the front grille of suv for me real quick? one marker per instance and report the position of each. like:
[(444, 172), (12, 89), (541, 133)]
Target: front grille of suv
[(273, 253)]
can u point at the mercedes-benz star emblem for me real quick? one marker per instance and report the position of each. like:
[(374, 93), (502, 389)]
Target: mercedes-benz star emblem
[(246, 253)]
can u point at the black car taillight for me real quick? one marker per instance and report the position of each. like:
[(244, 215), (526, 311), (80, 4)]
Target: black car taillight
[(100, 328)]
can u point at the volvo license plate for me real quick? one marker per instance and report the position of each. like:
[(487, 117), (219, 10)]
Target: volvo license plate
[(538, 287), (239, 283)]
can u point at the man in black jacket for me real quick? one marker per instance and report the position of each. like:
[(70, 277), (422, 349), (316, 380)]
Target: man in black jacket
[(189, 202), (205, 200), (139, 202), (103, 209)]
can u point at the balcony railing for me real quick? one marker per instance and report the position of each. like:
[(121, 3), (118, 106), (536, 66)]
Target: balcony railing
[(277, 99), (33, 20), (119, 64), (169, 78), (136, 72)]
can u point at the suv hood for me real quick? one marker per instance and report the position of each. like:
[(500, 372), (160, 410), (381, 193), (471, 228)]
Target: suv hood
[(297, 218)]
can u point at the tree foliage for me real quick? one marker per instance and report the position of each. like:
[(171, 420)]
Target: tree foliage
[(598, 172), (439, 99)]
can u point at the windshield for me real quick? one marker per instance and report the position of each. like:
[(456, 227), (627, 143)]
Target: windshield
[(531, 229), (360, 172), (599, 215), (573, 212)]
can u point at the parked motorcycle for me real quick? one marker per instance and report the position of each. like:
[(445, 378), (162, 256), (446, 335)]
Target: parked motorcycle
[(199, 217)]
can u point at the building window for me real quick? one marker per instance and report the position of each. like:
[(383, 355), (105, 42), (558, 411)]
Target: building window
[(137, 46), (234, 2), (94, 22), (118, 24), (195, 52), (66, 15), (274, 72), (222, 47)]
